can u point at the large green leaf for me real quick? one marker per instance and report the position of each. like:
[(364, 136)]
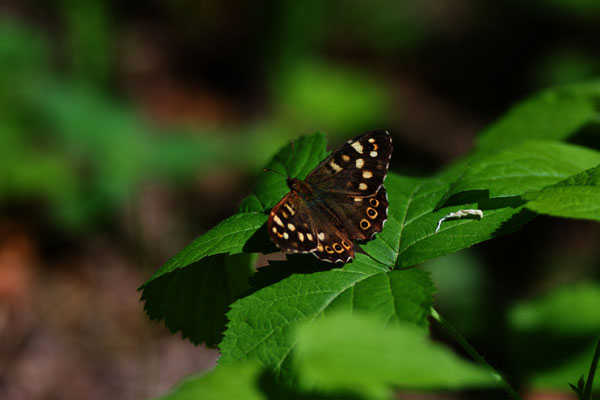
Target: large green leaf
[(262, 324), (409, 236), (229, 237), (554, 114), (363, 353), (576, 197), (240, 381), (194, 300), (526, 167)]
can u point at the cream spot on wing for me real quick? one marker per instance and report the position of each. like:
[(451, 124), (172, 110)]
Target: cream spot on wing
[(358, 147), (362, 186), (274, 230), (359, 163), (301, 236), (367, 174), (345, 157), (373, 154), (291, 227), (372, 140), (335, 167), (309, 236), (277, 220), (357, 199), (285, 235), (290, 209), (321, 236)]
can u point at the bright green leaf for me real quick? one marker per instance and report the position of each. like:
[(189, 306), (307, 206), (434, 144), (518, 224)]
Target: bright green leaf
[(554, 114), (576, 197), (239, 381), (261, 324), (363, 353), (529, 166), (228, 237), (409, 235)]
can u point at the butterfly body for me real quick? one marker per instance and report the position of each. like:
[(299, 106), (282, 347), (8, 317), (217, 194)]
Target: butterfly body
[(341, 200)]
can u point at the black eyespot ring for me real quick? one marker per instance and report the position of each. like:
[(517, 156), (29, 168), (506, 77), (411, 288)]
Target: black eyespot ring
[(374, 202), (364, 224)]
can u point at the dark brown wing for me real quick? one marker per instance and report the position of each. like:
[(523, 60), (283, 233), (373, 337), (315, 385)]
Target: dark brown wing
[(362, 217), (290, 225), (334, 243), (357, 168)]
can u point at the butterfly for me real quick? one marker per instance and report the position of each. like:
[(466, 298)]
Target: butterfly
[(341, 200)]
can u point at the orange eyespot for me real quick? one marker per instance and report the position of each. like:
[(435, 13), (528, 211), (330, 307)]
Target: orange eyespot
[(364, 224), (346, 245), (338, 248), (371, 213), (329, 249), (374, 202)]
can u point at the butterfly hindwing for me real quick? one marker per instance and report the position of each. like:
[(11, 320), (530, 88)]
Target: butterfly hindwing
[(290, 225), (363, 216), (357, 168), (334, 243)]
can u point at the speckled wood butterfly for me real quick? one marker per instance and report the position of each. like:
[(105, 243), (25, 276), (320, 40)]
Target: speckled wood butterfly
[(341, 200)]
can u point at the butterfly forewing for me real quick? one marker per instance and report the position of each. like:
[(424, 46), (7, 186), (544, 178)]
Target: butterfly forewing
[(290, 225), (357, 168)]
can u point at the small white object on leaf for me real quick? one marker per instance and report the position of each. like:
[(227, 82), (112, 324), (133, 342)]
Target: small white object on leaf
[(459, 214)]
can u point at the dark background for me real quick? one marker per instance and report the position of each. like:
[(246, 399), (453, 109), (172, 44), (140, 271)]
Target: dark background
[(129, 128)]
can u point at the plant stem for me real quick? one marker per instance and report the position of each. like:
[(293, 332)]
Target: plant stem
[(590, 380), (475, 355)]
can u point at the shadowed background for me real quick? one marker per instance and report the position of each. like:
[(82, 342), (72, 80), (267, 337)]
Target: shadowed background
[(128, 129)]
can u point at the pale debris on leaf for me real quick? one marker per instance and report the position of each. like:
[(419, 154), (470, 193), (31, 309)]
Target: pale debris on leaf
[(459, 214)]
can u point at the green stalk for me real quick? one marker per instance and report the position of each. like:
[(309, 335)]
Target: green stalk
[(590, 380), (475, 355)]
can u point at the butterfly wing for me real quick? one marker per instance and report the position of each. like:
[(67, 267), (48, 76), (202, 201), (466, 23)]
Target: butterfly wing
[(334, 243), (357, 168), (290, 225), (298, 228), (362, 217)]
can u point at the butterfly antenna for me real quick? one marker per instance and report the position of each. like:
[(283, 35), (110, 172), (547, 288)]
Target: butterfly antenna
[(293, 153), (272, 170)]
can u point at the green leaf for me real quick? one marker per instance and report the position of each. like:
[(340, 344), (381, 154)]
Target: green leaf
[(194, 300), (307, 153), (228, 237), (526, 167), (239, 381), (172, 294), (576, 197), (363, 353), (570, 367), (261, 325), (554, 114), (569, 310), (554, 335), (409, 235)]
